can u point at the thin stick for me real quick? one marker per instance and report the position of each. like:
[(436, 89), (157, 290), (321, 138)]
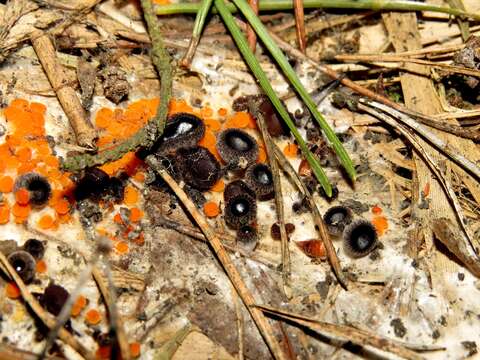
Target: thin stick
[(146, 136), (65, 312), (233, 274), (84, 132), (108, 293), (46, 318), (196, 33), (251, 36), (322, 229), (401, 59), (438, 143), (427, 120), (286, 266), (240, 323), (300, 25), (434, 167), (348, 333)]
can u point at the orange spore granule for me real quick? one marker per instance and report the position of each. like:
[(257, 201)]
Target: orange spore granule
[(12, 291), (79, 305), (41, 267), (211, 209), (4, 213), (377, 210), (135, 349), (93, 317), (104, 352), (6, 184), (22, 196), (222, 112), (219, 186), (130, 196), (290, 150), (381, 224), (62, 207), (121, 247), (46, 222), (135, 214), (21, 211)]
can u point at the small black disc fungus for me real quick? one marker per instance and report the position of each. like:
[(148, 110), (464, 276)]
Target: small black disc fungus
[(54, 297), (247, 237), (336, 218), (240, 210), (182, 130), (92, 184), (24, 265), (236, 187), (237, 148), (260, 179), (35, 248), (199, 168), (359, 238), (38, 187)]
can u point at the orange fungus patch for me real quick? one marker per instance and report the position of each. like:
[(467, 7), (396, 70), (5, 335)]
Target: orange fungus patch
[(381, 224), (211, 209), (93, 317), (12, 291)]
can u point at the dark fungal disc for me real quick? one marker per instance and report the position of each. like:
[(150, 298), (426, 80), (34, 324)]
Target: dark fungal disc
[(35, 248), (54, 297), (247, 238), (38, 187), (235, 188), (240, 210), (237, 148), (260, 179), (92, 184), (24, 265), (200, 169), (337, 218), (182, 130), (359, 238)]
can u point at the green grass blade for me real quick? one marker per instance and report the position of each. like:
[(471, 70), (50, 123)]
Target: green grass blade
[(266, 5), (282, 61), (257, 71), (201, 16)]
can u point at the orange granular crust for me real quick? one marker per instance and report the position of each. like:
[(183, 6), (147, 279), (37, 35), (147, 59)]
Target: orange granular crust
[(79, 305), (239, 120), (24, 154), (12, 291), (219, 186), (121, 247), (211, 209), (135, 214), (222, 112), (212, 125), (135, 349), (22, 196), (41, 267), (290, 150), (46, 222), (93, 317), (381, 224), (6, 184), (130, 196)]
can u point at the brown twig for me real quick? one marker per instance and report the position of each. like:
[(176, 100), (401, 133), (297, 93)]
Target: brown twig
[(269, 147), (317, 217), (300, 25), (427, 120), (251, 35), (107, 289), (12, 353), (233, 274), (46, 318), (348, 333), (240, 324), (66, 95)]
